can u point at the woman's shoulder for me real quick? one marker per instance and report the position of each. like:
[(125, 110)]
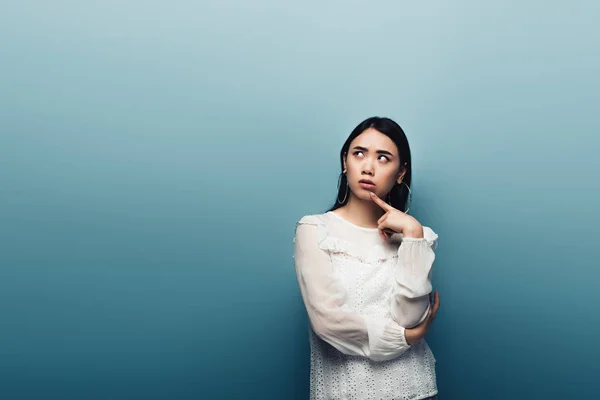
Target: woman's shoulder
[(313, 219), (314, 225)]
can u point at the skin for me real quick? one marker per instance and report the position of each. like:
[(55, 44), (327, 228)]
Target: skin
[(374, 156)]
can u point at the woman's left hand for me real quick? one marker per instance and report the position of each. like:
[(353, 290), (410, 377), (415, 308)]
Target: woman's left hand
[(396, 221)]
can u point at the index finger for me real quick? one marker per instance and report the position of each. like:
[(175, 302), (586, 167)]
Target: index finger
[(380, 202)]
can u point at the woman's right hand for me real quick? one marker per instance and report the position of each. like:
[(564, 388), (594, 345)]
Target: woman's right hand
[(413, 335)]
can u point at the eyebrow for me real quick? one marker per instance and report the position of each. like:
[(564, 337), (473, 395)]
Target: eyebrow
[(378, 151)]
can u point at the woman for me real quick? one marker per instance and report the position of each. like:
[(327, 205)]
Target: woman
[(364, 271)]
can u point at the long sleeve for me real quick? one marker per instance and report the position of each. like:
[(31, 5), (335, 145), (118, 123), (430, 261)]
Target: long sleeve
[(331, 318), (412, 274)]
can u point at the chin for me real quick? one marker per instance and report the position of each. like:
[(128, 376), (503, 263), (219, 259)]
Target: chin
[(363, 194)]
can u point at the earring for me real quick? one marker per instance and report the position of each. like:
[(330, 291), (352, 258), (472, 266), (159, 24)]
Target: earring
[(410, 197), (338, 186)]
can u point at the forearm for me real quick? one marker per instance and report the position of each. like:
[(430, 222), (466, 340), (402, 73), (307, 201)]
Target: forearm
[(412, 276)]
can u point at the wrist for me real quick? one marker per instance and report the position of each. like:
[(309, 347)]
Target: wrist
[(413, 231), (412, 335)]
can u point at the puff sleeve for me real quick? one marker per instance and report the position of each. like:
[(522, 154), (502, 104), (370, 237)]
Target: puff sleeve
[(330, 316)]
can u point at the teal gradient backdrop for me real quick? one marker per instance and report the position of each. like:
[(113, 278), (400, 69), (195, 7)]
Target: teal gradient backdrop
[(155, 156)]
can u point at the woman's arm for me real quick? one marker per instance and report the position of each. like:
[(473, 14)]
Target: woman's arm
[(412, 276), (331, 318), (413, 335)]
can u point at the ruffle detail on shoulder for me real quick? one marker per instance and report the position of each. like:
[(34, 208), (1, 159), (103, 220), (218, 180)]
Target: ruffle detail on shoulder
[(334, 244)]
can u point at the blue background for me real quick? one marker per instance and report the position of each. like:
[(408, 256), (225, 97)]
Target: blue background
[(155, 156)]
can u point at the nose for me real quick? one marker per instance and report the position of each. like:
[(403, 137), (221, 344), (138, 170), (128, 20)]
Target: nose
[(368, 167)]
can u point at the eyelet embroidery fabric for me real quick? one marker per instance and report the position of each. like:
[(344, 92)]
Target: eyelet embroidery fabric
[(356, 288)]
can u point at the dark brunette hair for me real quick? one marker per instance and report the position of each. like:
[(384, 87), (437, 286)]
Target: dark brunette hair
[(399, 193)]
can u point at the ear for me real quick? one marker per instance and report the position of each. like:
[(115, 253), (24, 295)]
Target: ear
[(344, 162), (401, 175)]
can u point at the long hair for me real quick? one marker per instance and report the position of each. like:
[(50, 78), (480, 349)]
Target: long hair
[(399, 193)]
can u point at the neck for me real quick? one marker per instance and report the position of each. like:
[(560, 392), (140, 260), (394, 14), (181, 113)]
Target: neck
[(361, 212)]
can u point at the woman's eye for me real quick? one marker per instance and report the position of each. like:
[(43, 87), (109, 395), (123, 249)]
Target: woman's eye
[(385, 157)]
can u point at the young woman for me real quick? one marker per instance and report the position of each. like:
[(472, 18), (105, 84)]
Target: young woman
[(364, 272)]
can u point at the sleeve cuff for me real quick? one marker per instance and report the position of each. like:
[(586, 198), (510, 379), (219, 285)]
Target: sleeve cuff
[(386, 339), (429, 236)]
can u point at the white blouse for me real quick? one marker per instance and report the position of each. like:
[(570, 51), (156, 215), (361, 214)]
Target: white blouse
[(360, 293)]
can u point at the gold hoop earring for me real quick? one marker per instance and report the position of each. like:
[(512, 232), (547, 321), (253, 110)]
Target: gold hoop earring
[(338, 186), (409, 195)]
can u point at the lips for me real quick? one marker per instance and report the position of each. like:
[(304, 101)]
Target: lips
[(366, 181), (367, 184)]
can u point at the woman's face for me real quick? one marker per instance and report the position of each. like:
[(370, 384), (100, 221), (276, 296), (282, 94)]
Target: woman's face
[(372, 156)]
